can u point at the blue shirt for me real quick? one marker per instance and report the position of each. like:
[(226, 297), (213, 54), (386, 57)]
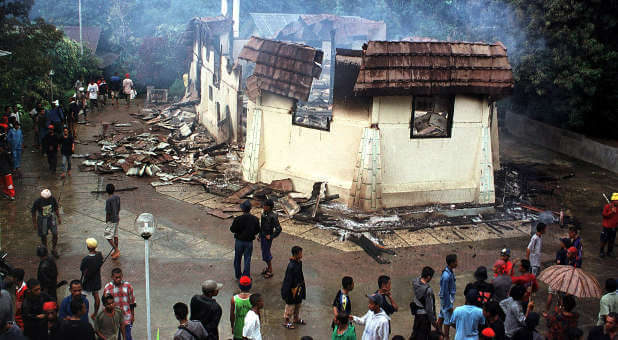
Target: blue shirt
[(15, 138), (447, 288), (65, 308), (54, 115), (466, 320)]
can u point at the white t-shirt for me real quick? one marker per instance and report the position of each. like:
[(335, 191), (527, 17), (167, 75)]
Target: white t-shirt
[(251, 329), (93, 91), (127, 85), (535, 250)]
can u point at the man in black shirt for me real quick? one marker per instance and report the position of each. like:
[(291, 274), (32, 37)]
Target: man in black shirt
[(35, 323), (384, 288), (91, 273), (47, 273), (206, 310), (67, 146), (74, 327), (491, 312), (609, 331), (485, 289), (244, 227), (342, 302), (50, 145), (269, 230), (43, 211)]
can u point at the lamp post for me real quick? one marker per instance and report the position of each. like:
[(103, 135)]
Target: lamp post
[(145, 225), (51, 85), (81, 44)]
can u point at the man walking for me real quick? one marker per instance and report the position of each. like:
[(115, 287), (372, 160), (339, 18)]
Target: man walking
[(93, 94), (32, 311), (610, 222), (187, 330), (244, 227), (293, 289), (43, 220), (447, 294), (205, 309), (127, 88), (376, 321), (67, 147), (47, 272), (91, 273), (251, 329), (533, 252), (112, 218), (609, 301), (122, 291), (66, 310), (15, 138), (270, 229), (115, 85), (423, 306), (50, 144)]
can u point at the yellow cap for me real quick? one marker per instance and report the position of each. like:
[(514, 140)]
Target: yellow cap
[(91, 243), (615, 196)]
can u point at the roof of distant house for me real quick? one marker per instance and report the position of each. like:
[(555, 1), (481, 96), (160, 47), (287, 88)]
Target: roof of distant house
[(90, 35), (427, 68), (281, 67), (318, 27)]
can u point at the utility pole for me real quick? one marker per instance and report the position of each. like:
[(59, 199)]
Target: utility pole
[(79, 9)]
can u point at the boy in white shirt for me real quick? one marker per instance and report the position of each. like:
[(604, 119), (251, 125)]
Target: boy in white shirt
[(251, 329)]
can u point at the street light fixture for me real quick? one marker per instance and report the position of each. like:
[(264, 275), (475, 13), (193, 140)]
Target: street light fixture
[(145, 225), (51, 85)]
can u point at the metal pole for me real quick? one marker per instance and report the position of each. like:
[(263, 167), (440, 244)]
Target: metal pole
[(146, 255), (81, 44)]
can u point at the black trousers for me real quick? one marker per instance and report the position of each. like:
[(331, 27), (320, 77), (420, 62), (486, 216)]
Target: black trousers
[(52, 160), (421, 328)]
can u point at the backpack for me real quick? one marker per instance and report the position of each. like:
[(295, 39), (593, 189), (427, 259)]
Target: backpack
[(184, 328)]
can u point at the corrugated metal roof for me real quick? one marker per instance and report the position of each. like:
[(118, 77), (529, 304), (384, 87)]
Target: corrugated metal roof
[(424, 68), (268, 25), (281, 67), (90, 35)]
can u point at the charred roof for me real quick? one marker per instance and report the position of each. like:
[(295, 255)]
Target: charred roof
[(281, 67), (426, 68)]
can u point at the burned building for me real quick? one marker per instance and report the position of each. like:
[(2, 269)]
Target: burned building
[(413, 123)]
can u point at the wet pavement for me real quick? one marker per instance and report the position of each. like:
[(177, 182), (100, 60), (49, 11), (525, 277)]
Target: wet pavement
[(191, 246)]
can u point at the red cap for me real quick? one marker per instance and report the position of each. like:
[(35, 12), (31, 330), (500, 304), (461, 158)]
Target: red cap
[(572, 250), (488, 333), (126, 75), (50, 126), (244, 280), (49, 306)]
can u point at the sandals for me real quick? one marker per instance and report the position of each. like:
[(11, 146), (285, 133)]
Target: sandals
[(289, 325), (268, 275), (300, 322)]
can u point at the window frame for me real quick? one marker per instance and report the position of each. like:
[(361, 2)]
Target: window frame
[(295, 110), (449, 121)]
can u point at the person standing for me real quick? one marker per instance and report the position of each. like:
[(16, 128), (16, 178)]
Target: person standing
[(187, 329), (533, 252), (43, 220), (55, 117), (127, 88), (610, 222), (20, 294), (560, 322), (342, 302), (122, 291), (485, 289), (93, 94), (251, 329), (491, 312), (376, 321), (447, 294), (40, 126), (244, 227), (15, 138), (75, 288), (67, 147), (423, 306), (112, 218), (239, 306), (103, 90), (50, 144), (35, 324), (609, 301), (91, 273), (344, 330), (293, 290), (468, 318), (205, 309), (384, 289), (526, 279), (502, 281), (47, 272), (576, 241), (607, 331), (73, 116), (50, 308), (512, 307), (109, 323), (74, 327), (115, 86), (269, 230)]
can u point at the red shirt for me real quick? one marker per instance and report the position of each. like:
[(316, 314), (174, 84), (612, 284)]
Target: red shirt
[(123, 297), (610, 219), (528, 280)]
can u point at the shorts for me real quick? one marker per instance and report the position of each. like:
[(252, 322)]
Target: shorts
[(292, 312), (608, 234), (265, 245), (47, 224), (111, 230), (446, 315), (536, 270)]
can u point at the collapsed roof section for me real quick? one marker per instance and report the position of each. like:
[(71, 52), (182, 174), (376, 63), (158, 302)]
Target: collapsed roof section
[(426, 68), (318, 27), (282, 68)]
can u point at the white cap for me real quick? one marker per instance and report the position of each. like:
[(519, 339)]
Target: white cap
[(46, 193)]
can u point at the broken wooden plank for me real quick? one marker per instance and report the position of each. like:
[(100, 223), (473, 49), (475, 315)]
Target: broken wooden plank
[(117, 190), (369, 247), (218, 213), (238, 195), (289, 205)]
